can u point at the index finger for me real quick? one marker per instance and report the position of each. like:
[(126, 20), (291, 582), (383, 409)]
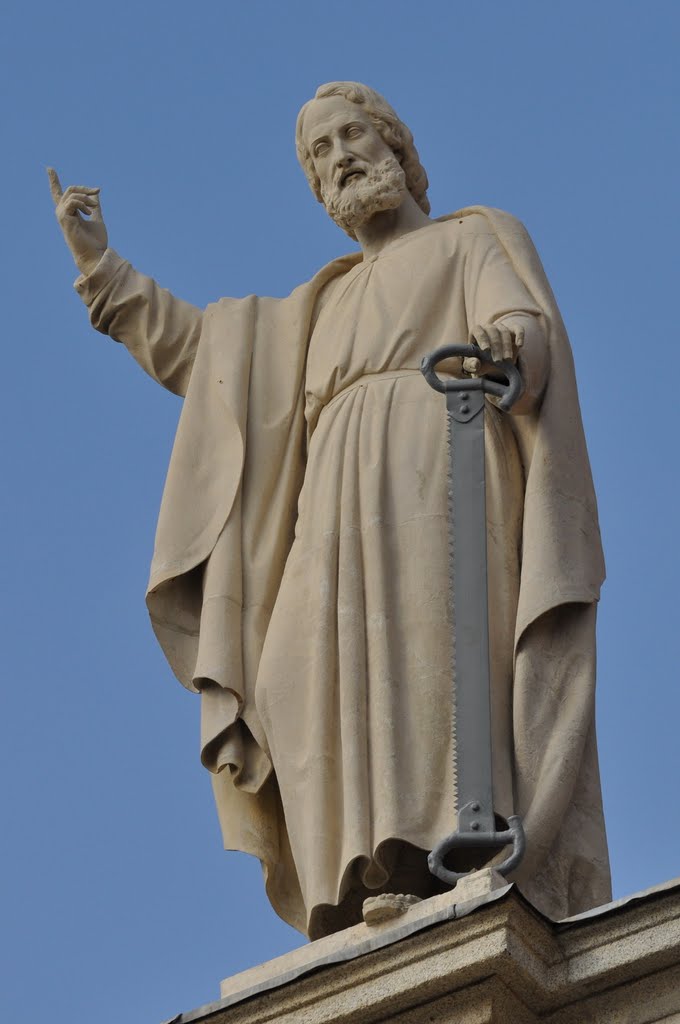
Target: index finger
[(55, 184)]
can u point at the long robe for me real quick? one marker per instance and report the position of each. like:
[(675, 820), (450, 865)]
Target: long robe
[(300, 576)]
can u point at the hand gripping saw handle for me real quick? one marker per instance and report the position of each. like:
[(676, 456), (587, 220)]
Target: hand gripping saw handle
[(465, 403)]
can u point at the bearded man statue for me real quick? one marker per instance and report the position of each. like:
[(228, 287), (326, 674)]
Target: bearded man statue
[(300, 580)]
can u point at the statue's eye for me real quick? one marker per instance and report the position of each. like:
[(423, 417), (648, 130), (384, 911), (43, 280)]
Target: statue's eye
[(354, 132), (320, 148)]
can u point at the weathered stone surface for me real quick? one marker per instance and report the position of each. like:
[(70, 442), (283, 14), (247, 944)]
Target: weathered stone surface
[(489, 959), (387, 906)]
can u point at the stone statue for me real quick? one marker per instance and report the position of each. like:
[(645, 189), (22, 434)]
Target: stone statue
[(300, 575)]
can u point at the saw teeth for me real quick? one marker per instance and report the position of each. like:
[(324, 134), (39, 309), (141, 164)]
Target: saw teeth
[(452, 608)]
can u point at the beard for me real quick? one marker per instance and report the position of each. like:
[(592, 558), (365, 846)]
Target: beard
[(382, 188)]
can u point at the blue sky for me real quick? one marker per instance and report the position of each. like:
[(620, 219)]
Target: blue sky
[(118, 902)]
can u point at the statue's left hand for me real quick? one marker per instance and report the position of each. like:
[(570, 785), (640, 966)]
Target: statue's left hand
[(500, 340)]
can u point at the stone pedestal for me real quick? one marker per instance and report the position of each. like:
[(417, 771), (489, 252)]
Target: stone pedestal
[(480, 954)]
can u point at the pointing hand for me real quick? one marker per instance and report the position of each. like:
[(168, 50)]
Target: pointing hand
[(86, 238)]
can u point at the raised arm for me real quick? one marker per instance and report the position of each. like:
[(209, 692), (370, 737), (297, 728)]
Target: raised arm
[(160, 331)]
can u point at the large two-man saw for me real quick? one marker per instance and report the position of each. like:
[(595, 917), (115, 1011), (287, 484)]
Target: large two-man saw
[(477, 826)]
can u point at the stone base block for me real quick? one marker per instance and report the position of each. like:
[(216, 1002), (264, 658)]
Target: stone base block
[(478, 955)]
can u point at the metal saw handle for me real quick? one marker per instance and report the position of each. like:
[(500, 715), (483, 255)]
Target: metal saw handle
[(514, 834), (508, 392)]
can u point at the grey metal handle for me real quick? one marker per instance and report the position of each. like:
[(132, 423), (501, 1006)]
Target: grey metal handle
[(514, 834), (508, 393)]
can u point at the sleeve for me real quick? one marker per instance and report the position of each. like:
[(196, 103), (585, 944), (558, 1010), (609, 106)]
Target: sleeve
[(495, 293), (160, 331)]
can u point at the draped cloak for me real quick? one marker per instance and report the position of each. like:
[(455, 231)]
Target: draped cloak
[(226, 539)]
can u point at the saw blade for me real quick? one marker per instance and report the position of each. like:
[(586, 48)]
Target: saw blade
[(471, 721)]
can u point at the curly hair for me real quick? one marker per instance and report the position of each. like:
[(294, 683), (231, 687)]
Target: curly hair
[(393, 132)]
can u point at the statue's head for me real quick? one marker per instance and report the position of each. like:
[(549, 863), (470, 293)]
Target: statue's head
[(359, 158)]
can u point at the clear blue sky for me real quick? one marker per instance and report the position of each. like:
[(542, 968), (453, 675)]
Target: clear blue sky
[(118, 903)]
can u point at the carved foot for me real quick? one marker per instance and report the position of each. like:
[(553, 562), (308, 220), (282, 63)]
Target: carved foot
[(387, 906)]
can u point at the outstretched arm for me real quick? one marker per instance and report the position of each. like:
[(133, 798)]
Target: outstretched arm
[(160, 331)]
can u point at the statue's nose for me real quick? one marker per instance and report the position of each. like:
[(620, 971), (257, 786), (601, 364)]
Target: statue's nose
[(343, 158)]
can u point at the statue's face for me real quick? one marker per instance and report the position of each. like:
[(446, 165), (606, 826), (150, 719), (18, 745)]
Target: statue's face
[(358, 172), (342, 141)]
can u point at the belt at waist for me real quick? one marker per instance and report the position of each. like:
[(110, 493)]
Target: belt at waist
[(373, 378)]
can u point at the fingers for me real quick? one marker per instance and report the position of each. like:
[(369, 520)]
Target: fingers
[(499, 341), (472, 365), (77, 204), (55, 185), (97, 209), (88, 198), (507, 339), (487, 337), (83, 190), (79, 199)]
